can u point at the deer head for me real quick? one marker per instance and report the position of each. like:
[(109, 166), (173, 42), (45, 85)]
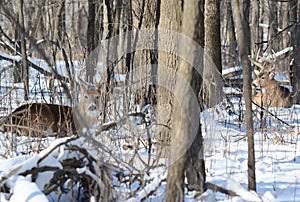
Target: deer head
[(263, 78), (272, 94), (89, 98)]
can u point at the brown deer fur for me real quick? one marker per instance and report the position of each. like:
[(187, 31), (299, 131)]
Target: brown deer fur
[(271, 94), (40, 118)]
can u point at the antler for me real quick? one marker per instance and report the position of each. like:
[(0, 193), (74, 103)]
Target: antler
[(257, 64), (78, 75), (271, 70)]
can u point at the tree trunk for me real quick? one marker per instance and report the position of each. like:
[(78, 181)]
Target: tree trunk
[(58, 29), (228, 36), (25, 71), (261, 21), (243, 50), (187, 154), (170, 19), (213, 85), (273, 21), (112, 14), (145, 11), (93, 36), (295, 69), (254, 28), (285, 24)]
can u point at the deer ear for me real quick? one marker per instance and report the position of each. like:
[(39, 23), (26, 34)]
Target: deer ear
[(256, 72)]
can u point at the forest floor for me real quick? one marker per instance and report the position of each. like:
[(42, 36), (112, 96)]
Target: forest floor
[(276, 150)]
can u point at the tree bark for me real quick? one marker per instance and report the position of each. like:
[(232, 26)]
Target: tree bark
[(93, 36), (112, 14), (170, 19), (213, 85), (187, 158), (146, 11), (25, 71), (273, 21), (243, 51), (255, 27), (295, 69), (285, 23)]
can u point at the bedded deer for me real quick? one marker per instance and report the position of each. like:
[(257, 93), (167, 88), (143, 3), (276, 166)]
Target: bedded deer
[(40, 118), (271, 93), (35, 119)]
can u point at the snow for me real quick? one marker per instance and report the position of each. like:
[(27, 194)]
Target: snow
[(11, 57), (277, 166), (277, 158), (27, 191), (231, 69), (279, 53)]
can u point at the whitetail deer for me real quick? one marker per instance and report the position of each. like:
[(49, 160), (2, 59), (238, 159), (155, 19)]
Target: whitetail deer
[(87, 110), (271, 93), (39, 118), (35, 119)]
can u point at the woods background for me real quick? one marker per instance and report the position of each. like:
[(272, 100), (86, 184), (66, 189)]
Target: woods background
[(63, 34)]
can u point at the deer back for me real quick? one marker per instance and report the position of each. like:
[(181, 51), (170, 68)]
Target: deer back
[(35, 119)]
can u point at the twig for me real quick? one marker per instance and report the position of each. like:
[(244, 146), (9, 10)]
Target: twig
[(214, 187), (11, 173), (273, 115)]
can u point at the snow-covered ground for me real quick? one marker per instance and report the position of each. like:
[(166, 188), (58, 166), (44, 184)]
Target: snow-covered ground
[(276, 149)]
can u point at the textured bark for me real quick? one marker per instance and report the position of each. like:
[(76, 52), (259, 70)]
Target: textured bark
[(59, 25), (295, 71), (25, 71), (146, 13), (93, 35), (228, 37), (187, 159), (285, 23), (254, 32), (111, 30), (261, 20), (213, 85), (243, 50), (170, 19), (273, 26), (255, 27)]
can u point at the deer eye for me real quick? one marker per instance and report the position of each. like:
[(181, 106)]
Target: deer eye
[(97, 97), (86, 97)]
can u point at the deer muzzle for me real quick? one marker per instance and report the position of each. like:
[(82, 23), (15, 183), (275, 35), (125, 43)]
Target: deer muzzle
[(92, 108)]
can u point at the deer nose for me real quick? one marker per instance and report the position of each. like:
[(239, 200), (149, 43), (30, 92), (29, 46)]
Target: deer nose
[(92, 108)]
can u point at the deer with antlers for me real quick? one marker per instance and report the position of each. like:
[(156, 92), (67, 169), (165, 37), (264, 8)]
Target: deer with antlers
[(35, 119), (271, 93)]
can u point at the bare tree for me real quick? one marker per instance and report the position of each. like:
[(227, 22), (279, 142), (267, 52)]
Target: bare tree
[(239, 20), (21, 27), (94, 31), (273, 21), (213, 85), (285, 23), (255, 27), (186, 116), (295, 69), (59, 26), (228, 37), (146, 17), (170, 19)]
